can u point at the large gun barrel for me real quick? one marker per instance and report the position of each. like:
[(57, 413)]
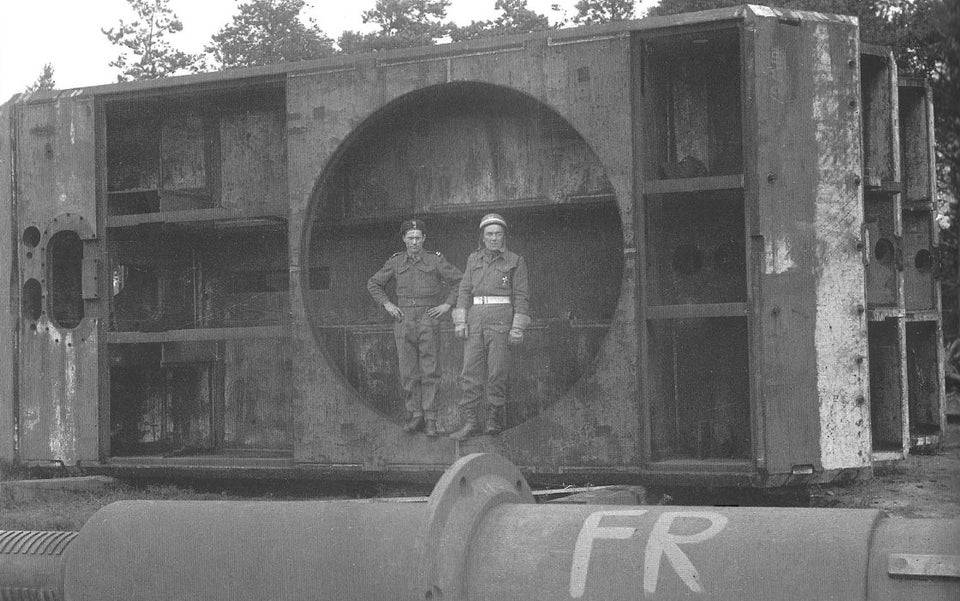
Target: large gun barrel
[(480, 536)]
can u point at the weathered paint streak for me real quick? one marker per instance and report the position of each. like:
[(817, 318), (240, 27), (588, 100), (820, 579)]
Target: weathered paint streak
[(62, 430), (7, 254), (57, 367), (778, 256), (839, 332)]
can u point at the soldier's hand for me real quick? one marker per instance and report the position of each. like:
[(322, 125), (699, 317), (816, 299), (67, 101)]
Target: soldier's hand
[(438, 311), (393, 310), (460, 331), (516, 336)]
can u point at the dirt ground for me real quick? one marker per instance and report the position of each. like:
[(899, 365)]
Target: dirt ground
[(922, 486)]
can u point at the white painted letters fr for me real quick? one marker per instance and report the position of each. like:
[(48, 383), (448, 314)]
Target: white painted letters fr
[(661, 542)]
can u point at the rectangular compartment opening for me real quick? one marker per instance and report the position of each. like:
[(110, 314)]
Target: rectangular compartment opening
[(699, 376), (195, 152), (208, 397), (886, 386), (920, 261), (915, 165), (882, 273), (878, 112), (157, 407), (696, 248), (691, 91), (923, 382), (189, 276)]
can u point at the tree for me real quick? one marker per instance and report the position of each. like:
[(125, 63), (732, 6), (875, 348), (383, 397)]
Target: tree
[(602, 11), (146, 52), (44, 82), (264, 32), (514, 17), (403, 23)]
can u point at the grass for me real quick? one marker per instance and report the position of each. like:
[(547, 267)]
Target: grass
[(63, 510)]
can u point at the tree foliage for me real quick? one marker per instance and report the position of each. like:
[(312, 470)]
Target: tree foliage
[(146, 52), (515, 17), (264, 32), (44, 82), (590, 12), (403, 23)]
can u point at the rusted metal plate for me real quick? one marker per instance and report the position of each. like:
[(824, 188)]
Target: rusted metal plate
[(257, 408), (473, 155), (589, 89), (923, 565), (58, 368), (252, 161), (8, 251), (813, 338), (182, 158)]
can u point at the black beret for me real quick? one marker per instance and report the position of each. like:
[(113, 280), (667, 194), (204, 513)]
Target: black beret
[(412, 224)]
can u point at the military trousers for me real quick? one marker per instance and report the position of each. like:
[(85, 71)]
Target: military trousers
[(486, 352), (418, 340)]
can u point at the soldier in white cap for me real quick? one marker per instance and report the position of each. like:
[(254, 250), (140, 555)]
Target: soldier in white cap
[(422, 279), (492, 312)]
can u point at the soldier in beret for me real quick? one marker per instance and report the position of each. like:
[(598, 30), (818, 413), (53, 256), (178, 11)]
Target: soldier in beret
[(492, 312), (426, 289)]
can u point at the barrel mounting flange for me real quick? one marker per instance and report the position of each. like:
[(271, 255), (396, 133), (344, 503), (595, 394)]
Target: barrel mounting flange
[(471, 487)]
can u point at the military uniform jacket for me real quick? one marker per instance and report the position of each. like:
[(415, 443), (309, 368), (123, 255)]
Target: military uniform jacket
[(421, 280), (497, 274)]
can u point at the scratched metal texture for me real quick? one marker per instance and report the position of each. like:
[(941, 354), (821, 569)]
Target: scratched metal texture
[(809, 213), (58, 366), (8, 288)]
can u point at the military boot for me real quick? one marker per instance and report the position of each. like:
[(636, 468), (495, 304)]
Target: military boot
[(414, 424), (470, 425), (431, 428), (494, 423)]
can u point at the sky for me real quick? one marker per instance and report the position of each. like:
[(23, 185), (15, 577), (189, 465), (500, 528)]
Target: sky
[(67, 33)]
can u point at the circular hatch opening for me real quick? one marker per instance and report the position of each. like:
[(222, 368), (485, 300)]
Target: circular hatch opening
[(447, 155)]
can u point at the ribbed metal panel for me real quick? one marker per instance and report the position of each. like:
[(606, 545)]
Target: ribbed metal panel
[(27, 594), (34, 542)]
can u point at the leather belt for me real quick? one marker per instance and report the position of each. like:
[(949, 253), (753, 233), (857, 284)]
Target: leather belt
[(491, 300)]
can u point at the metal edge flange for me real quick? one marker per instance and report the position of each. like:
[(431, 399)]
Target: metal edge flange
[(465, 493)]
